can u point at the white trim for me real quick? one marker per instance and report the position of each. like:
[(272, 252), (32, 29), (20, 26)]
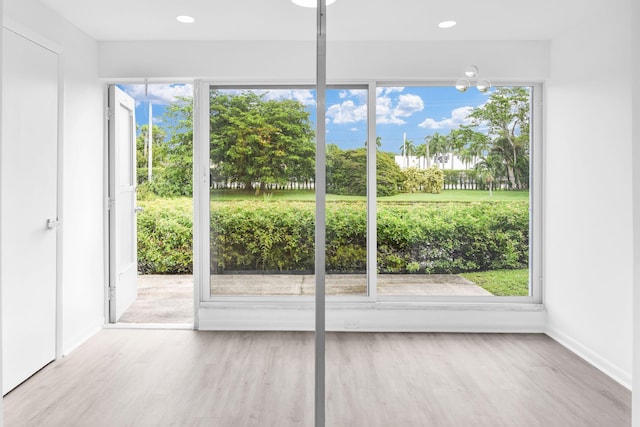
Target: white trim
[(31, 35), (83, 336), (60, 215), (159, 326), (1, 197), (201, 287), (536, 192), (202, 161), (105, 206), (615, 372), (372, 196), (321, 213), (379, 317)]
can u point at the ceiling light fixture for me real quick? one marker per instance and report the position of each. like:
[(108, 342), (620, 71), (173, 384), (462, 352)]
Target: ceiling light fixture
[(471, 74), (311, 3), (184, 19), (447, 24)]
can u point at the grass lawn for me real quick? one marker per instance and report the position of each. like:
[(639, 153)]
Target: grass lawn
[(445, 196), (502, 282)]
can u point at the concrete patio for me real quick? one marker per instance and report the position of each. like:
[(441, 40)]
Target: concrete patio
[(169, 298)]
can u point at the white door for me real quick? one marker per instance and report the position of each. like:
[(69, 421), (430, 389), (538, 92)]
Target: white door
[(29, 168), (123, 262)]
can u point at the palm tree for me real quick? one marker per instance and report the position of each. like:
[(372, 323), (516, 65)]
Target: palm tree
[(422, 151), (407, 148), (378, 142), (456, 143), (437, 146)]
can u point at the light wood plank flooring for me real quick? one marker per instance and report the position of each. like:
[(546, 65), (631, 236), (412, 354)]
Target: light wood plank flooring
[(185, 378)]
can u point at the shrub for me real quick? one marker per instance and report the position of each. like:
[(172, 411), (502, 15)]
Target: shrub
[(279, 236), (165, 237), (434, 180), (347, 172), (413, 180)]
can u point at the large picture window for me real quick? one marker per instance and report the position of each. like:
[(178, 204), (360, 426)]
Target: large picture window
[(453, 191), (449, 217)]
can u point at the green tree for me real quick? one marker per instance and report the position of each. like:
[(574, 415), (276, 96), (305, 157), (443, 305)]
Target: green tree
[(422, 150), (378, 142), (414, 179), (437, 146), (433, 180), (260, 141), (507, 116), (142, 147), (347, 172), (173, 176), (475, 144), (407, 149), (456, 143)]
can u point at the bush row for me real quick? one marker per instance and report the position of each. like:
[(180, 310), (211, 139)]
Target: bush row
[(279, 236)]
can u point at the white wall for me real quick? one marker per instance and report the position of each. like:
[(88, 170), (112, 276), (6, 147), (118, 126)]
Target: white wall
[(291, 62), (588, 207), (82, 139), (1, 46), (635, 17)]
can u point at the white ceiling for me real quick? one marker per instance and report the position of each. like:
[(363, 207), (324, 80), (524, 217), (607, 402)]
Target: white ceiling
[(346, 19)]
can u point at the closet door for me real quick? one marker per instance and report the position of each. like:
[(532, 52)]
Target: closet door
[(29, 168)]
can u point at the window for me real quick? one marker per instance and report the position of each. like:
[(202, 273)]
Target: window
[(453, 191), (451, 217)]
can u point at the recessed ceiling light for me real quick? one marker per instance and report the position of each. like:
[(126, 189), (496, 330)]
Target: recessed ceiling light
[(311, 3), (447, 24), (185, 19)]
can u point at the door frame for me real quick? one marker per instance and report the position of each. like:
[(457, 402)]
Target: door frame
[(105, 189)]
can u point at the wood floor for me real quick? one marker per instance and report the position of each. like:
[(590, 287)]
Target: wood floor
[(186, 378)]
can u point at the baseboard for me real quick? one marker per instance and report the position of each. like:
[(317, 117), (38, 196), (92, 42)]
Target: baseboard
[(81, 337), (613, 371)]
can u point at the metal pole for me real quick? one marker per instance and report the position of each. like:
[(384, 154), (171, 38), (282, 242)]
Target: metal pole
[(150, 133), (320, 184)]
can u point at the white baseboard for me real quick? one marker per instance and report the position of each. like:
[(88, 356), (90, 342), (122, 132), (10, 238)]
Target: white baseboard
[(81, 337), (616, 373)]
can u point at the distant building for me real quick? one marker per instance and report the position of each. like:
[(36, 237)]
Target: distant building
[(442, 160)]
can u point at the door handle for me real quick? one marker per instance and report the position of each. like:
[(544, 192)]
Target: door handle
[(53, 223)]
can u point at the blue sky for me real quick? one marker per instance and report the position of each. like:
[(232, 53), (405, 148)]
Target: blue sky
[(417, 111)]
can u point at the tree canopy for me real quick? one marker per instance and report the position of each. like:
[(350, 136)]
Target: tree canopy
[(506, 115), (347, 172), (258, 141)]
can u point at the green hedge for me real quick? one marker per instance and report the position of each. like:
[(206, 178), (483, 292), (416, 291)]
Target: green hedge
[(279, 236), (165, 230)]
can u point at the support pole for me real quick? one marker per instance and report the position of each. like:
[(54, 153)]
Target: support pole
[(321, 188), (150, 134)]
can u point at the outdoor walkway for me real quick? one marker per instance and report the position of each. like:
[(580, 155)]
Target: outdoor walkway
[(169, 298)]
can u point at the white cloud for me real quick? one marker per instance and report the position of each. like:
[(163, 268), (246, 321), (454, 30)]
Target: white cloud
[(390, 111), (459, 116), (162, 94), (407, 105), (384, 91), (354, 129), (347, 112), (304, 96)]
